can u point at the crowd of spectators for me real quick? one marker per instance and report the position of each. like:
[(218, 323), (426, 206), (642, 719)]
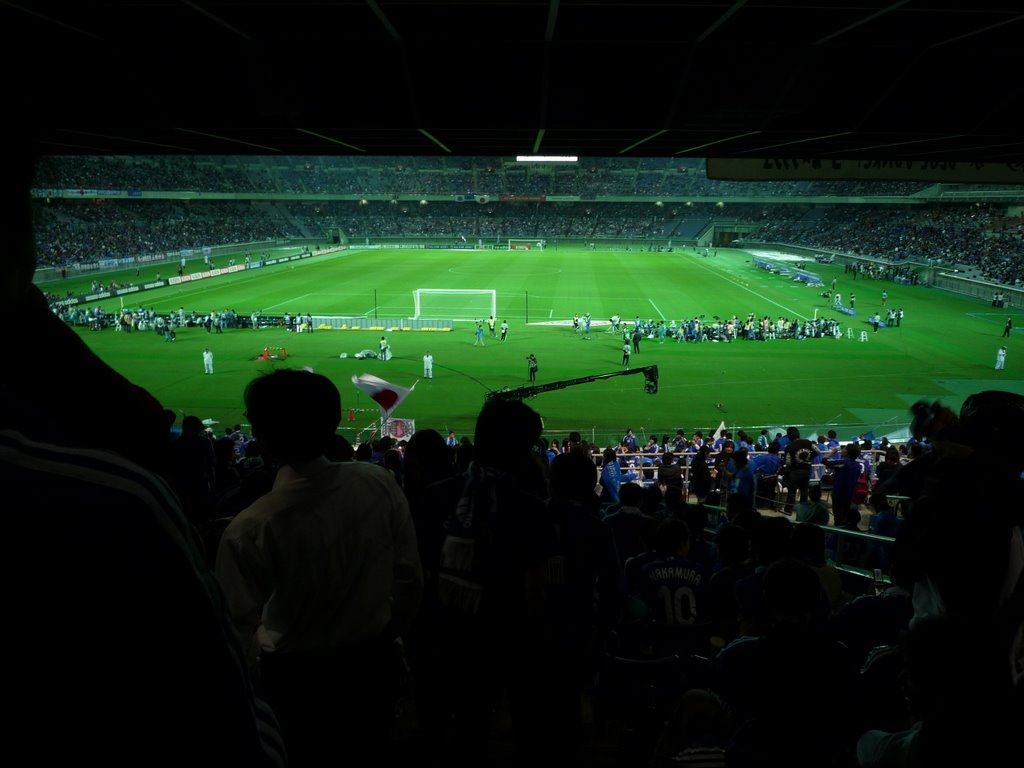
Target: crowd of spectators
[(69, 232), (427, 176), (975, 237), (765, 624), (969, 237)]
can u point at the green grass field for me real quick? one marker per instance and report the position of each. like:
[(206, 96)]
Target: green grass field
[(944, 350)]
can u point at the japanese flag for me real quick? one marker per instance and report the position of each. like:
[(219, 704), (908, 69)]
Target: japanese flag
[(387, 396)]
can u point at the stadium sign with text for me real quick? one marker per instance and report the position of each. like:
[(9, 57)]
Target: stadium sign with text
[(733, 169)]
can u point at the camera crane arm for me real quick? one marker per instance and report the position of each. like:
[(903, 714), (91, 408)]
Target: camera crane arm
[(650, 373)]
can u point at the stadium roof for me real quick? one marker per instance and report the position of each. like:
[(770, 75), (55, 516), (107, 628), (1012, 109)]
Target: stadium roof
[(872, 79)]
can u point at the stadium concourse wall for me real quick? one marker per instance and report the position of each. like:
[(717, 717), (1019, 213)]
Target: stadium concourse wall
[(981, 289)]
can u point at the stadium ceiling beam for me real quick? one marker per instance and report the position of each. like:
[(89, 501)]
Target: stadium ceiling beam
[(228, 139), (644, 140), (55, 22), (989, 28), (713, 143), (691, 57), (127, 139), (545, 73), (795, 141), (410, 91), (332, 140), (849, 27), (217, 20)]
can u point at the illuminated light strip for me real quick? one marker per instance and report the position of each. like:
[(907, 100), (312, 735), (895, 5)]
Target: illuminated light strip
[(546, 158)]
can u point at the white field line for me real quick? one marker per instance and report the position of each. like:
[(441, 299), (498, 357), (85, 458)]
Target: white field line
[(290, 302), (759, 295)]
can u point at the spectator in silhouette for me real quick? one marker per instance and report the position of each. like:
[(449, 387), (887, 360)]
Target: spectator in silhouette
[(675, 576), (808, 546), (127, 652), (630, 527), (322, 574), (734, 554), (813, 511), (584, 597), (670, 474), (960, 713), (193, 469), (488, 578), (797, 460), (702, 476), (428, 459), (980, 584), (767, 681)]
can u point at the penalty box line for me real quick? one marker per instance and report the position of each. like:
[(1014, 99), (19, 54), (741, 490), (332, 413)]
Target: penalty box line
[(749, 290)]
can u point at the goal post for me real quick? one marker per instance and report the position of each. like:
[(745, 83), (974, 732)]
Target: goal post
[(526, 244), (455, 303)]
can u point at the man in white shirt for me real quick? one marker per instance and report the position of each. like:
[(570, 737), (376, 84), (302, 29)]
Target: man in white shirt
[(207, 361), (428, 366), (321, 574)]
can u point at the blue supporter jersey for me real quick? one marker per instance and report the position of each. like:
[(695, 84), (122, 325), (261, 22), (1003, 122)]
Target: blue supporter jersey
[(674, 589), (766, 463)]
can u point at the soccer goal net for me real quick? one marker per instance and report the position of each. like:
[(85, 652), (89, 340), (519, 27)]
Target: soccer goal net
[(526, 244), (455, 303)]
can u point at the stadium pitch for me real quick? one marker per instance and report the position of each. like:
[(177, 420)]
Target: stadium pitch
[(944, 349)]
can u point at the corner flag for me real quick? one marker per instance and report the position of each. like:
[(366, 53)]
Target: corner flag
[(388, 396)]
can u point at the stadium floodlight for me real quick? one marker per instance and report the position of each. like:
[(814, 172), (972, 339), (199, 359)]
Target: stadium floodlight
[(546, 158)]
